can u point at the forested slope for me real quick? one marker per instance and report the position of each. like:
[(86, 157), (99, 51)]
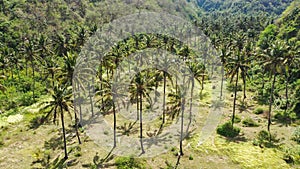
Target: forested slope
[(258, 44)]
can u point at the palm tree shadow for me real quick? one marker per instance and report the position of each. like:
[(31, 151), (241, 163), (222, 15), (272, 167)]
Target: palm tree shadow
[(101, 162), (237, 139), (58, 163), (157, 140)]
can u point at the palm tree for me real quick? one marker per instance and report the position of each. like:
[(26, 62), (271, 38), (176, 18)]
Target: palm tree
[(60, 103), (225, 53), (290, 61), (52, 68), (164, 65), (239, 41), (143, 83), (68, 67), (107, 96), (273, 59), (234, 65), (197, 69), (30, 51)]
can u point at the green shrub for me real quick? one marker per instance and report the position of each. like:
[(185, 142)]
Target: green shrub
[(258, 110), (291, 154), (25, 99), (296, 135), (129, 163), (285, 117), (231, 87), (249, 122), (237, 119), (265, 139), (227, 130)]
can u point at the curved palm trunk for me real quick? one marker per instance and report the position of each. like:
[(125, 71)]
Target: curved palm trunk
[(164, 98), (234, 99), (271, 102), (141, 123), (64, 132)]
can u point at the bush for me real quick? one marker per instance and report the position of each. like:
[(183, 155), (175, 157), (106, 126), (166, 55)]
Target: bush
[(285, 117), (249, 122), (291, 154), (237, 119), (129, 163), (296, 135), (231, 87), (227, 130), (265, 139), (258, 110)]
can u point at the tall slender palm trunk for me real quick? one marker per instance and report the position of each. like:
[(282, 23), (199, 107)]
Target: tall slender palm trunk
[(64, 132), (164, 99), (234, 99), (286, 92), (33, 81), (181, 126), (271, 101), (222, 83), (76, 125), (141, 123), (115, 125)]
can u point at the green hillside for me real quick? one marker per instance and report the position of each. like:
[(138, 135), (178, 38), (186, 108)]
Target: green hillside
[(241, 109)]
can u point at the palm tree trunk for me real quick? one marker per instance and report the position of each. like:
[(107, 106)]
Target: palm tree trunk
[(76, 125), (137, 106), (33, 80), (101, 86), (164, 98), (115, 125), (181, 126), (79, 105), (222, 82), (263, 80), (286, 93), (91, 100), (64, 132), (141, 123), (52, 77), (244, 83), (191, 105), (271, 101), (234, 99)]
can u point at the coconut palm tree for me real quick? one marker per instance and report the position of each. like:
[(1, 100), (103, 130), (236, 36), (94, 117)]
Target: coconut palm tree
[(273, 58), (142, 84), (224, 48), (106, 98), (235, 64), (59, 104)]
